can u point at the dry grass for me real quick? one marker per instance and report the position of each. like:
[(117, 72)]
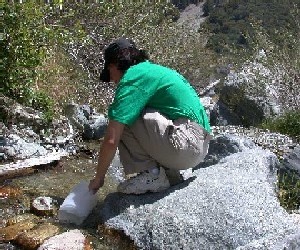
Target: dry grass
[(60, 79)]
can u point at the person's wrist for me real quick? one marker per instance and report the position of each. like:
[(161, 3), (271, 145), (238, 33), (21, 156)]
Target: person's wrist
[(99, 177)]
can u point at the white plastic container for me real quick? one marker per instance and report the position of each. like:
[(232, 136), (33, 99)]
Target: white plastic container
[(77, 205)]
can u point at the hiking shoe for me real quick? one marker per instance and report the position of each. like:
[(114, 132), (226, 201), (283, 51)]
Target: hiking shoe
[(145, 182)]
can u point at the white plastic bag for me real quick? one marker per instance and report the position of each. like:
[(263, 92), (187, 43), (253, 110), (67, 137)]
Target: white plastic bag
[(77, 205)]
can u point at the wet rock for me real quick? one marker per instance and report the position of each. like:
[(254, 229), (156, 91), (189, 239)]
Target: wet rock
[(228, 205), (7, 246), (23, 167), (20, 218), (33, 238), (116, 237), (10, 233), (73, 239), (43, 206), (9, 173), (10, 192)]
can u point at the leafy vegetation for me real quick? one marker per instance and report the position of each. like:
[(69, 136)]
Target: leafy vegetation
[(230, 23), (289, 190), (288, 124), (37, 38), (27, 42)]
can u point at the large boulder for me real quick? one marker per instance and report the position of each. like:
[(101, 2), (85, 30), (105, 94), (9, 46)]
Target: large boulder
[(230, 204)]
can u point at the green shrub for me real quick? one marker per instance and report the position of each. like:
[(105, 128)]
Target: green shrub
[(234, 18), (41, 101), (288, 124), (21, 48), (26, 41), (289, 191)]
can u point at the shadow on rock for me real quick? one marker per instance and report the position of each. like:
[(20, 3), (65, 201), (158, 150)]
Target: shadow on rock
[(116, 203)]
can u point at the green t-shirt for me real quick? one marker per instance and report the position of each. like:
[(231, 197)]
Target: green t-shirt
[(151, 85)]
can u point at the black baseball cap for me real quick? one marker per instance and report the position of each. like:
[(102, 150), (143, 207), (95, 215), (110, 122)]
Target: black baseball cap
[(115, 51)]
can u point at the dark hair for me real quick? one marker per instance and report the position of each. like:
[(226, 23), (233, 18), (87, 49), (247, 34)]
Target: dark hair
[(124, 54)]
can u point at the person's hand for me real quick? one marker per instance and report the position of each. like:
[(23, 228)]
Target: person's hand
[(95, 184)]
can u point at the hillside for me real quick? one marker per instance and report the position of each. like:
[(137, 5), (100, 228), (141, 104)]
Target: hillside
[(54, 47)]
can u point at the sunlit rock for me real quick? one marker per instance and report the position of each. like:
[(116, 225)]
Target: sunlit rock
[(91, 124), (17, 113), (269, 91), (229, 204), (192, 17), (33, 238), (73, 239), (43, 206), (281, 145), (225, 145), (95, 128), (17, 148), (25, 166)]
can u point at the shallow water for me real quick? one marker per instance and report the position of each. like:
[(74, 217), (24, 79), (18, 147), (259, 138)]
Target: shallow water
[(57, 183)]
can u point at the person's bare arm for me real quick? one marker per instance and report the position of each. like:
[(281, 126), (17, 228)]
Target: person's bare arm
[(106, 154)]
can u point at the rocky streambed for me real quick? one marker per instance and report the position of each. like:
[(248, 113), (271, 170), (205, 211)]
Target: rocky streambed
[(24, 227)]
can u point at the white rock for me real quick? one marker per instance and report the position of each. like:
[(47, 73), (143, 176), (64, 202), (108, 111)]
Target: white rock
[(73, 239)]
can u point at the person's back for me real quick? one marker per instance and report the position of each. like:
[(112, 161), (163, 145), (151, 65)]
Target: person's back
[(158, 87)]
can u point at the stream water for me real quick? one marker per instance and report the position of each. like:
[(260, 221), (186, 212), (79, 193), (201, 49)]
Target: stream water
[(57, 183)]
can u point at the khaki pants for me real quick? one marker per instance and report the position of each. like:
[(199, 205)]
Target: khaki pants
[(154, 139)]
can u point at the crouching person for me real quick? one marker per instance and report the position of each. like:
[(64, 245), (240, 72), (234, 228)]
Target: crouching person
[(156, 120)]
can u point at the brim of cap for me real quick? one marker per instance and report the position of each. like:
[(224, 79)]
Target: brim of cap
[(105, 76)]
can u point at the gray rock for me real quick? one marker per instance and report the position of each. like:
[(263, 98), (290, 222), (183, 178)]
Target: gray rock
[(17, 113), (3, 141), (96, 127), (291, 162), (91, 124), (76, 115), (17, 148), (224, 145), (287, 240), (225, 206)]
